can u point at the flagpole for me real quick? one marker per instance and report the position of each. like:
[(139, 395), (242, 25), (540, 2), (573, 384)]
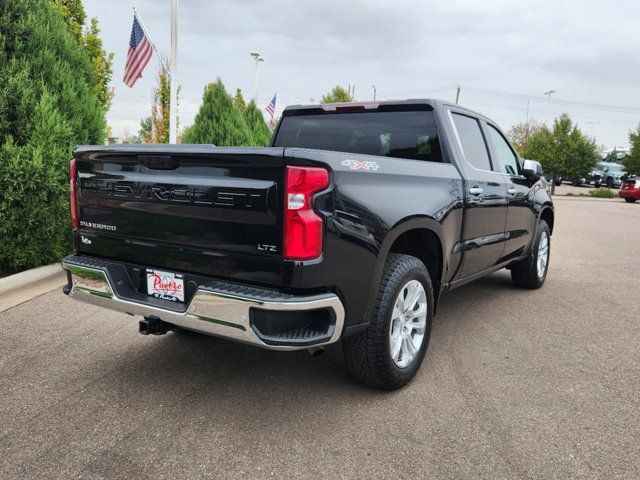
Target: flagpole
[(153, 45), (173, 98)]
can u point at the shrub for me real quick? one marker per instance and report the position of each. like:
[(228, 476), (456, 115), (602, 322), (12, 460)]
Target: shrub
[(602, 193), (47, 106)]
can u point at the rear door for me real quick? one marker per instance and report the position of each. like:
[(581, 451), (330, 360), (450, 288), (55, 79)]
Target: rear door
[(485, 198), (188, 208), (521, 217)]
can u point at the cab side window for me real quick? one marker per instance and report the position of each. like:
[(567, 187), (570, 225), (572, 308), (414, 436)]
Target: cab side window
[(505, 160)]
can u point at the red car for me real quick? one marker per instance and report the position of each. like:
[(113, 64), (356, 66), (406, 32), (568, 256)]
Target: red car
[(630, 189)]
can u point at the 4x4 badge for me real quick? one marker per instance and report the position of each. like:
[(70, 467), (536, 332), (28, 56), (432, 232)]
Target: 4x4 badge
[(357, 165)]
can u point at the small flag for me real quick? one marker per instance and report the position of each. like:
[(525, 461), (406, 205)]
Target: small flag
[(271, 108), (140, 50)]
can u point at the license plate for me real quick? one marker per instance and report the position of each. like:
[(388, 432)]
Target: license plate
[(165, 285)]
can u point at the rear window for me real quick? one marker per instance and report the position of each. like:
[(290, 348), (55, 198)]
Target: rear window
[(411, 134)]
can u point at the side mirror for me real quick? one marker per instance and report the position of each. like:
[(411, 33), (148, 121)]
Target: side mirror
[(532, 169)]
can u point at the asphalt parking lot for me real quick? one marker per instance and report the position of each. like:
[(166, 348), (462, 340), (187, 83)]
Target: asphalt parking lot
[(516, 384)]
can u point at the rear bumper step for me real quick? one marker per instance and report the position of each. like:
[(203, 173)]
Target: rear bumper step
[(251, 315)]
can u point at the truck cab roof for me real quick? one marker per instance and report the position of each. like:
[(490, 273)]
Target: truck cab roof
[(385, 105)]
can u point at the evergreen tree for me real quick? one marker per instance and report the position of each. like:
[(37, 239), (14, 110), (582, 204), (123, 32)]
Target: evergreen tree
[(338, 94), (47, 107), (238, 100), (144, 133), (260, 134), (102, 62), (218, 121)]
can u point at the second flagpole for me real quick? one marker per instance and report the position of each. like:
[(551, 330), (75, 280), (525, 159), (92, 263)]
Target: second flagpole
[(173, 95)]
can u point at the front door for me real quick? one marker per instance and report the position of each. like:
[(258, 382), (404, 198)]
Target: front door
[(485, 197), (521, 216)]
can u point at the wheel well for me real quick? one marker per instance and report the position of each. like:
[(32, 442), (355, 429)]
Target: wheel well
[(424, 245), (547, 216)]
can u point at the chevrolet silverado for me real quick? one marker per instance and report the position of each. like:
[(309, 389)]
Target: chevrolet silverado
[(349, 227)]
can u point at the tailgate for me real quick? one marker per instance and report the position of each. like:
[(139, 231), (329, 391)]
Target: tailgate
[(180, 206)]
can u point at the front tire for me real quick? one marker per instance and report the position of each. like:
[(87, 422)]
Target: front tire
[(630, 200), (532, 271), (390, 352), (610, 182)]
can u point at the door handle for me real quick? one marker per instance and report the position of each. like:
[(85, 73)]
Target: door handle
[(512, 191), (475, 190)]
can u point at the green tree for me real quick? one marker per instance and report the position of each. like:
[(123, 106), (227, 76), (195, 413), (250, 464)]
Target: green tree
[(102, 63), (160, 119), (74, 16), (218, 121), (160, 108), (88, 37), (47, 107), (260, 133), (563, 149), (338, 94), (238, 100), (144, 133), (612, 156), (631, 161), (520, 133)]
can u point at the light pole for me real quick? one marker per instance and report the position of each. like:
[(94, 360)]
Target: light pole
[(592, 129), (258, 58), (548, 94), (374, 92)]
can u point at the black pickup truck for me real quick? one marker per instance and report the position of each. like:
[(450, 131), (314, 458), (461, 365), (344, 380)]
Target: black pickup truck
[(350, 226)]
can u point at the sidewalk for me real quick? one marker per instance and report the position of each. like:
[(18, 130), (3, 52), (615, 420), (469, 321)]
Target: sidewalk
[(24, 286)]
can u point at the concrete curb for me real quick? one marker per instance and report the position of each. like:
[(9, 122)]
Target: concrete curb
[(29, 277), (584, 197)]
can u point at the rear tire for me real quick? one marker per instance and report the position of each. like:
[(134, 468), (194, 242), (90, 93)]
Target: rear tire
[(630, 200), (532, 271), (373, 357)]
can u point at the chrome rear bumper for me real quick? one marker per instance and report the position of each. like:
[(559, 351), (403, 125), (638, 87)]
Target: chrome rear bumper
[(211, 311)]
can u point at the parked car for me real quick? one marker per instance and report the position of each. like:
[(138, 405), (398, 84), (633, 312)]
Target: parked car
[(630, 189), (577, 182), (609, 174), (557, 179), (350, 226)]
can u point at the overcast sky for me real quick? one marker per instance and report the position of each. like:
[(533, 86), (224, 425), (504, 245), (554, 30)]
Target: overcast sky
[(500, 52)]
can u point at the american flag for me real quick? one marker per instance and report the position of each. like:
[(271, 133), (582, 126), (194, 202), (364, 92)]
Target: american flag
[(271, 108), (140, 50)]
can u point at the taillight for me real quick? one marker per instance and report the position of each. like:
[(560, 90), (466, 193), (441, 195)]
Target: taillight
[(73, 201), (302, 226)]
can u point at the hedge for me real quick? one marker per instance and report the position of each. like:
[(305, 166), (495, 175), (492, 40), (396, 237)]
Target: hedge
[(46, 108)]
